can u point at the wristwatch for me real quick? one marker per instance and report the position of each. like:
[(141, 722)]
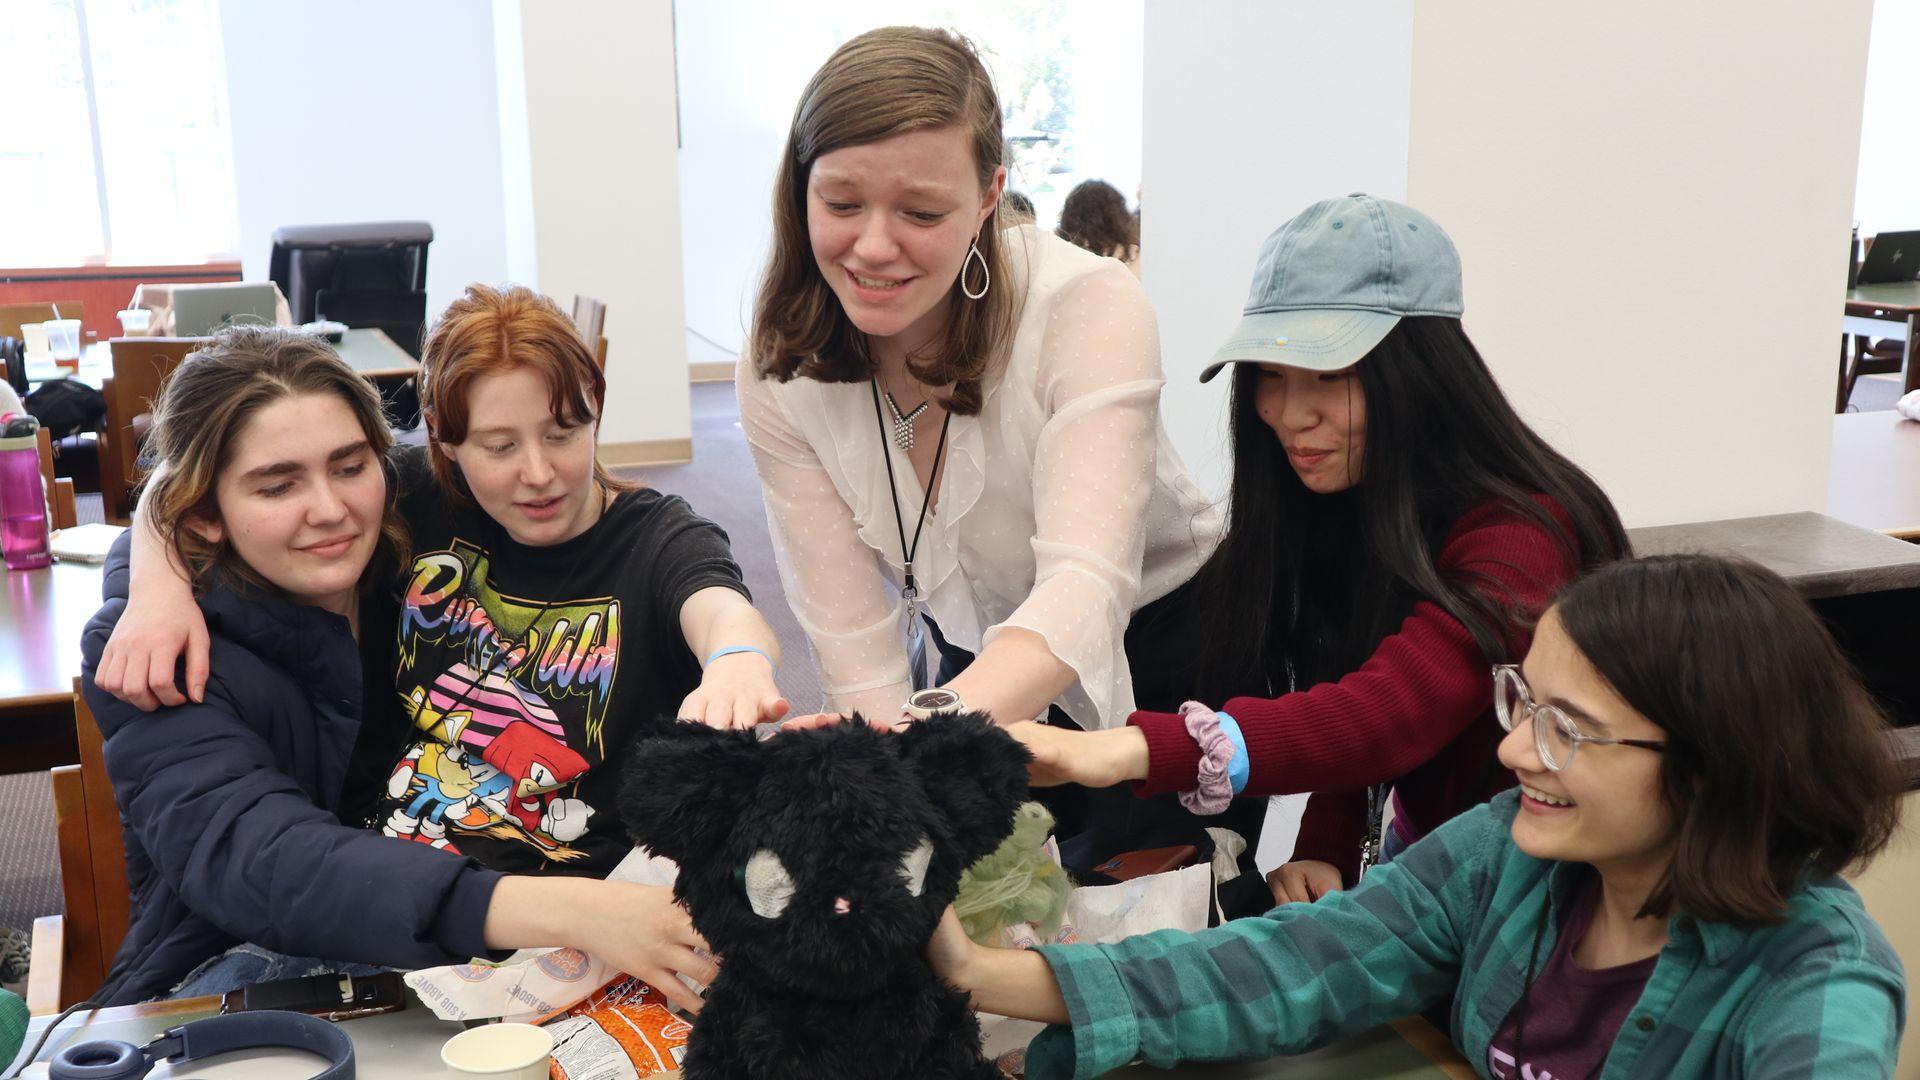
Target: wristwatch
[(925, 704)]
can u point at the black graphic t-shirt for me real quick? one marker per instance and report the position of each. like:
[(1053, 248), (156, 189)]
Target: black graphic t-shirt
[(519, 671)]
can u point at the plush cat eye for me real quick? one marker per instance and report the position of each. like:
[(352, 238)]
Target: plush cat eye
[(913, 868), (768, 886)]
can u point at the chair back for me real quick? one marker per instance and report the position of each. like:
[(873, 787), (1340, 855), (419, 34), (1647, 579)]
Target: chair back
[(140, 365), (590, 318), (93, 862), (14, 316), (60, 503)]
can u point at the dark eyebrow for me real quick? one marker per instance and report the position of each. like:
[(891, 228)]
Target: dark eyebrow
[(283, 468), (1577, 712)]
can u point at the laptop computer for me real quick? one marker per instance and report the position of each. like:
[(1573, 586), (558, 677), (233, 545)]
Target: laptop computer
[(203, 309), (1894, 256)]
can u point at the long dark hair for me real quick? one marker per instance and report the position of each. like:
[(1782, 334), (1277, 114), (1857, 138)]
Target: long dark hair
[(1304, 586), (1777, 762)]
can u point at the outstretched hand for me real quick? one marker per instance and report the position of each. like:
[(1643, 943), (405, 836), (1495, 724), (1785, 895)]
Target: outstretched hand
[(736, 691), (1089, 758)]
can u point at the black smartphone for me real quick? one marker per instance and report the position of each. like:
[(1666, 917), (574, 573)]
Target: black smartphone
[(330, 997)]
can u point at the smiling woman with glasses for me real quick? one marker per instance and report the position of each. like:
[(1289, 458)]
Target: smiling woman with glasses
[(1697, 763)]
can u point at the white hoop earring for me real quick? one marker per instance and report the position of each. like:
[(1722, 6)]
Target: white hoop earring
[(986, 275)]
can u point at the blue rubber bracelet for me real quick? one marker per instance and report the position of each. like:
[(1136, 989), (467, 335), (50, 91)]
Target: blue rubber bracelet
[(731, 649), (1237, 769)]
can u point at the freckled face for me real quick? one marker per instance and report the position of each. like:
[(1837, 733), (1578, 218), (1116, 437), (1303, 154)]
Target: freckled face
[(528, 471), (891, 222)]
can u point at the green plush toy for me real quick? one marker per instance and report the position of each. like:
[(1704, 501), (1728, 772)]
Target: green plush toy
[(1017, 883)]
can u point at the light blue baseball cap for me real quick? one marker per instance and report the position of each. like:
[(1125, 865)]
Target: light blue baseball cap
[(1332, 282)]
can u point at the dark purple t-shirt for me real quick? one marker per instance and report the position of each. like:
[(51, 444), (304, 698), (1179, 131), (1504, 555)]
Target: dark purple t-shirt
[(1572, 1014)]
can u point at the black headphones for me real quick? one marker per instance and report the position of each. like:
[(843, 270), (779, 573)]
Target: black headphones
[(109, 1059)]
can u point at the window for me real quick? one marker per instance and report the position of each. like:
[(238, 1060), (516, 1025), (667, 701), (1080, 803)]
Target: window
[(122, 153)]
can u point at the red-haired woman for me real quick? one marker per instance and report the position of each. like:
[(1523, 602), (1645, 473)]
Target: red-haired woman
[(546, 608)]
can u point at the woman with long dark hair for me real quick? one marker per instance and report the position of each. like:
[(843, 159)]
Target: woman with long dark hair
[(1393, 528), (1696, 765)]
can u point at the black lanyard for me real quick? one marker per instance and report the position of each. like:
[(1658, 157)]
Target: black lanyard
[(910, 593)]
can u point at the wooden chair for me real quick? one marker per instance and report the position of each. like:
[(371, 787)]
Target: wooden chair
[(13, 316), (59, 489), (590, 318), (72, 952), (139, 367)]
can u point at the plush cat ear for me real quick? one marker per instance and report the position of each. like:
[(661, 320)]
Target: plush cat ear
[(974, 774), (685, 786)]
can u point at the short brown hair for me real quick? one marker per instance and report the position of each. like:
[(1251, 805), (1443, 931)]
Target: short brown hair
[(201, 408), (883, 83), (488, 331), (1777, 762)]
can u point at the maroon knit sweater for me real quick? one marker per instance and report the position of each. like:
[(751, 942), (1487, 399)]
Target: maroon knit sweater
[(1418, 714)]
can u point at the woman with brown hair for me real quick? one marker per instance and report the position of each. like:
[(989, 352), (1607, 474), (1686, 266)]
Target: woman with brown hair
[(276, 501), (1095, 216), (952, 418), (547, 610), (1697, 764)]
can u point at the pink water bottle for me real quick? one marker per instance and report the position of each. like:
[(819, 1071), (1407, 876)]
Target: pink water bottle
[(23, 498)]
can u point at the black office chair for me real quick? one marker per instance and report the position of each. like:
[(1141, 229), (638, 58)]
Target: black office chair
[(368, 274)]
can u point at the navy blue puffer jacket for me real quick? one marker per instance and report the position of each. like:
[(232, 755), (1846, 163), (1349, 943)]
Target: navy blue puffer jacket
[(228, 808)]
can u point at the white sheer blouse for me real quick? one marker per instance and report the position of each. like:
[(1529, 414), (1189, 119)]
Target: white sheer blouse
[(1063, 507)]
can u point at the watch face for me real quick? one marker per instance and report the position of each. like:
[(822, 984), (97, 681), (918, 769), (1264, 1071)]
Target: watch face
[(934, 700)]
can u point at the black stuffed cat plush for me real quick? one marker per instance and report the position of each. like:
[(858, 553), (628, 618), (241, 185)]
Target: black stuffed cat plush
[(817, 864)]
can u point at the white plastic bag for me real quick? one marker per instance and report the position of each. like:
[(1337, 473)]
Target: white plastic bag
[(531, 982)]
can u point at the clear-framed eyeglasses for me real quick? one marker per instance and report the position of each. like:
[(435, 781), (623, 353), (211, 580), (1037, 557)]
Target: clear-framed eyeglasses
[(1554, 733)]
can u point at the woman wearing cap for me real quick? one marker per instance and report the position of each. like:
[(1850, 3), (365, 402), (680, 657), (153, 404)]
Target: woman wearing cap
[(1658, 899), (945, 407), (1393, 528)]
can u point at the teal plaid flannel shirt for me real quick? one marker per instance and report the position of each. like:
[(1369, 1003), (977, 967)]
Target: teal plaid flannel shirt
[(1820, 995)]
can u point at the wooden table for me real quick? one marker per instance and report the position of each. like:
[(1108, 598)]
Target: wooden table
[(373, 354), (40, 625), (368, 351), (1864, 585), (1822, 556), (1873, 480), (407, 1044), (1887, 311)]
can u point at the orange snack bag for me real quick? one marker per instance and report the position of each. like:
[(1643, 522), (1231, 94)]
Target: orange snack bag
[(622, 1031)]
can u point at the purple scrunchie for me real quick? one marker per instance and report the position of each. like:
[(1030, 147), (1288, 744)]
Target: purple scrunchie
[(1215, 792)]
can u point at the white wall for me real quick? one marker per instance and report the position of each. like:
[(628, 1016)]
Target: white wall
[(1650, 201), (597, 156), (742, 66), (1888, 193), (368, 110), (1253, 111)]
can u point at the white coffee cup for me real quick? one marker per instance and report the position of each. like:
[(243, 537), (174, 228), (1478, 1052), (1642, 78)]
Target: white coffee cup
[(499, 1052), (34, 336)]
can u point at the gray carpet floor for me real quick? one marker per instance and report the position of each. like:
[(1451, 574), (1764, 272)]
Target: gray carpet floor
[(719, 483)]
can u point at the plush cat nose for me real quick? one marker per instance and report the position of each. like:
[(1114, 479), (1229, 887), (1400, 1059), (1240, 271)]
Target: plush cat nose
[(842, 906)]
